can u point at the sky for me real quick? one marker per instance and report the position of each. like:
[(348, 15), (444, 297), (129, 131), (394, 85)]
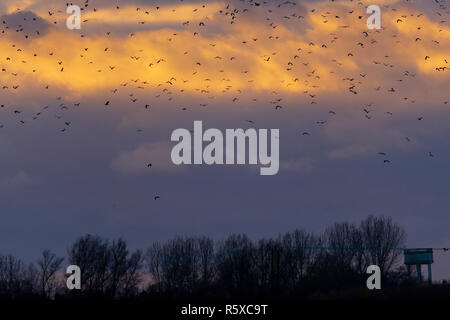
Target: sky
[(363, 120)]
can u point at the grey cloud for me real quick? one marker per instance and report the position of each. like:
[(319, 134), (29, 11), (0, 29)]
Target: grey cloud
[(24, 25)]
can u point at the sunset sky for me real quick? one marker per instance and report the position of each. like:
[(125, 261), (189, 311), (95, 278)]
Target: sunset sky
[(364, 119)]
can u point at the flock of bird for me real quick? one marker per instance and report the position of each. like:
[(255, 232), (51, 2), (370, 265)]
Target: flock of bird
[(300, 68)]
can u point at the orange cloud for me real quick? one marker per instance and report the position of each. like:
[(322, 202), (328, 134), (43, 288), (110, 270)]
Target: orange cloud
[(219, 58)]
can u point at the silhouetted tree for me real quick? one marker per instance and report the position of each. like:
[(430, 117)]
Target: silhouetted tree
[(106, 269), (16, 279), (48, 265), (91, 254), (382, 239), (123, 270), (235, 263), (154, 259), (205, 247), (344, 242), (175, 265), (301, 250), (129, 283), (296, 264)]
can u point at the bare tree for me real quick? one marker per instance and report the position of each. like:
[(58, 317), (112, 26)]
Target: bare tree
[(268, 264), (235, 263), (123, 269), (382, 240), (206, 268), (107, 268), (48, 265), (15, 280), (91, 254), (344, 242), (174, 266), (132, 277), (154, 260), (300, 252), (179, 264), (118, 265)]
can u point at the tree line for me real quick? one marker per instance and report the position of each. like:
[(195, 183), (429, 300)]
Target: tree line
[(297, 264)]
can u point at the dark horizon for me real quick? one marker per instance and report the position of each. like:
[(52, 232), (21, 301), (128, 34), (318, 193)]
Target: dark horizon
[(297, 265)]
